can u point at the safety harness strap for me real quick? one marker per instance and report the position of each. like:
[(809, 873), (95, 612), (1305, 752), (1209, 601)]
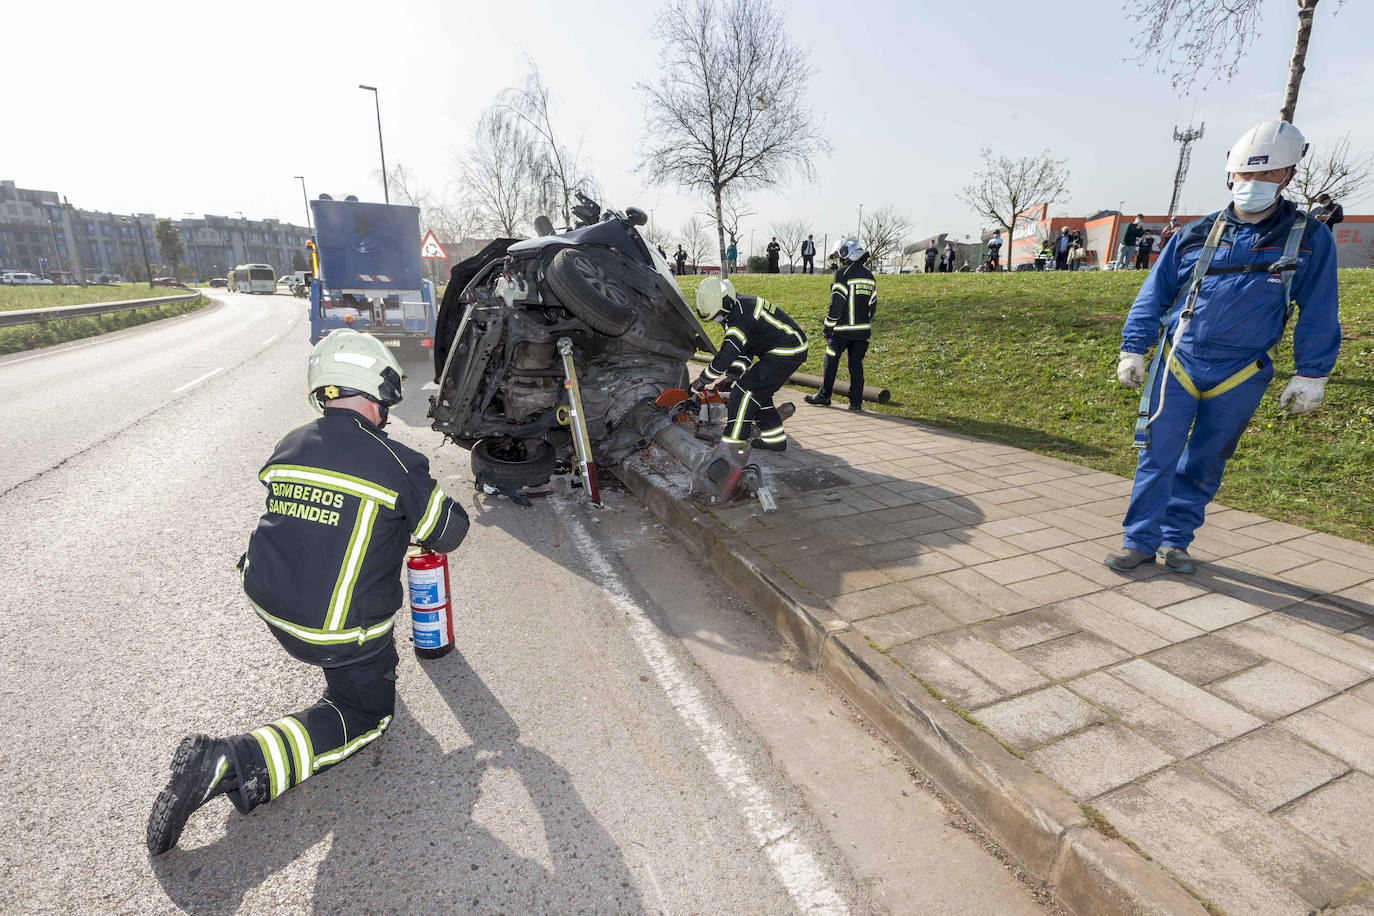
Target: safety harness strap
[(1185, 298), (1286, 266)]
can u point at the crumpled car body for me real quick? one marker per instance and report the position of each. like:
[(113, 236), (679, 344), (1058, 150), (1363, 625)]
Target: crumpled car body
[(497, 364)]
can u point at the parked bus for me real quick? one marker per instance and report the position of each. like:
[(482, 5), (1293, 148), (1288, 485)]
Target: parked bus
[(253, 278)]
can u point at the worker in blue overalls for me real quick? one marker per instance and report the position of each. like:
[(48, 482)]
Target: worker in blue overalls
[(1214, 307)]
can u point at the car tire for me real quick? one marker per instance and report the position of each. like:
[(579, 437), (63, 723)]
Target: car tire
[(492, 464), (592, 292)]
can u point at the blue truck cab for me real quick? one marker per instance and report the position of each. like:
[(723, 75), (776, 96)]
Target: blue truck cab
[(365, 259)]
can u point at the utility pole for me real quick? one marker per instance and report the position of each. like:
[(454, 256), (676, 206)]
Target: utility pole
[(305, 198), (143, 244), (1185, 154), (69, 230), (861, 222), (386, 194), (61, 261)]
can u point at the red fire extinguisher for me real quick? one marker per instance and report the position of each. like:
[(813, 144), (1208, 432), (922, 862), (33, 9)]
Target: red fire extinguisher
[(431, 610)]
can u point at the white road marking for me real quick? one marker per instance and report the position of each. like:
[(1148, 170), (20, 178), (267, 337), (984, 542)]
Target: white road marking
[(196, 381), (792, 860), (271, 340)]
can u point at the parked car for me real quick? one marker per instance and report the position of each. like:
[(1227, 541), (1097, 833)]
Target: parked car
[(219, 282), (169, 281), (23, 278)]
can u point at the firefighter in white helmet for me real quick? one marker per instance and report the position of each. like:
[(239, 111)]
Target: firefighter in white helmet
[(761, 350), (1214, 308), (322, 570), (848, 322)]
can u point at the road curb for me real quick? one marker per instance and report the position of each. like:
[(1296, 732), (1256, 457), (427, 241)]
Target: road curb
[(1036, 823)]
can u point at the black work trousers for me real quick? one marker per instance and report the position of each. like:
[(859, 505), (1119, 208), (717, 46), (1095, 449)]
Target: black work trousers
[(858, 349), (930, 265), (751, 400), (356, 708), (1061, 260), (808, 263)]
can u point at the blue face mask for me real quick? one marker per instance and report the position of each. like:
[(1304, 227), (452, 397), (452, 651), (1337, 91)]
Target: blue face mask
[(1254, 196)]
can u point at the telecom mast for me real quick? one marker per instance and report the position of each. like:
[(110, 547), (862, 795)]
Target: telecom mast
[(1185, 152)]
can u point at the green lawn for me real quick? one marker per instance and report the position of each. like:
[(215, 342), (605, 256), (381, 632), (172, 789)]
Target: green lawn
[(1030, 359), (38, 297)]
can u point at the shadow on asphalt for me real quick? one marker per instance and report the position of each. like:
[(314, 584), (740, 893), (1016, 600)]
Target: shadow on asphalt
[(396, 830)]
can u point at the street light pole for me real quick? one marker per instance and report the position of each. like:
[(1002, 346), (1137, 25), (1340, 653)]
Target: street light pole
[(305, 198), (858, 231), (143, 244), (376, 98)]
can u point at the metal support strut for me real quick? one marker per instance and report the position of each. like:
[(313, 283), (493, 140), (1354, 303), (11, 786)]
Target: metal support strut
[(577, 422)]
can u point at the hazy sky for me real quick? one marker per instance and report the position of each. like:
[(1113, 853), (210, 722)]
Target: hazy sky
[(176, 107)]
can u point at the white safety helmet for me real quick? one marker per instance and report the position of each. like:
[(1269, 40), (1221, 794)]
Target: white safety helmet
[(1267, 145), (849, 249), (348, 363), (711, 296)]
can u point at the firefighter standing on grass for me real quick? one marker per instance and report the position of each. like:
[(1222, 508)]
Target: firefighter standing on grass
[(759, 332), (848, 323), (323, 572)]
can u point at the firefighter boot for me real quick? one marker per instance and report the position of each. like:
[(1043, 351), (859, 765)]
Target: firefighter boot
[(201, 769), (779, 446)]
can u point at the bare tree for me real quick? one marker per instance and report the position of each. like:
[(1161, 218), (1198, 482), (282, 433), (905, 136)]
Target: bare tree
[(657, 236), (696, 241), (558, 168), (1195, 40), (729, 111), (734, 210), (1007, 187), (498, 172), (882, 232), (1341, 172), (790, 233)]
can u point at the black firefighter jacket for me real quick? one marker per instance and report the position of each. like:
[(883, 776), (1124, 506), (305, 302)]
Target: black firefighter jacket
[(754, 329), (853, 300), (344, 502)]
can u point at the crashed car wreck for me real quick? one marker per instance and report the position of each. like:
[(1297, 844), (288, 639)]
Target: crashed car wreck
[(603, 295)]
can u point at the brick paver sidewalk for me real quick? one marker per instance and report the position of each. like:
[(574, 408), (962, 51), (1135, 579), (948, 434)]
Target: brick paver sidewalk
[(1222, 722)]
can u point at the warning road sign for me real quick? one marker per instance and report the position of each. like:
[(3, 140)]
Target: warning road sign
[(430, 249)]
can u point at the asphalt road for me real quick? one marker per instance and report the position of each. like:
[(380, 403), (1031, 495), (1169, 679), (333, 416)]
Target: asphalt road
[(615, 734)]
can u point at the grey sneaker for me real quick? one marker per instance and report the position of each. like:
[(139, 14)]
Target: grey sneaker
[(1127, 559), (1177, 560)]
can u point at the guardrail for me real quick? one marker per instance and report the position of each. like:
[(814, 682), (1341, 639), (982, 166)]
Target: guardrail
[(57, 312)]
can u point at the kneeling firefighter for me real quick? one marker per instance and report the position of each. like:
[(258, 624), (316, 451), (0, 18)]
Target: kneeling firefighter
[(1214, 307), (323, 572), (756, 331), (848, 323)]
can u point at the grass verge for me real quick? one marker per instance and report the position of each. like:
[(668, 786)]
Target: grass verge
[(48, 333), (1029, 359), (42, 297)]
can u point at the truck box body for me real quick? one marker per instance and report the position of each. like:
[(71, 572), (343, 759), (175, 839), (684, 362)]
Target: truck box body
[(369, 273)]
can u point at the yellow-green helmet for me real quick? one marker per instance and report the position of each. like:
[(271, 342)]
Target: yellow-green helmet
[(711, 296), (347, 363)]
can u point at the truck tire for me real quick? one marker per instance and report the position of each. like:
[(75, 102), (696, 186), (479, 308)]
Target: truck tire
[(592, 292), (496, 460)]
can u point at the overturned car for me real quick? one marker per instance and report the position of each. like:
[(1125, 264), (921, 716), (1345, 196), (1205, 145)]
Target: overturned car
[(601, 293)]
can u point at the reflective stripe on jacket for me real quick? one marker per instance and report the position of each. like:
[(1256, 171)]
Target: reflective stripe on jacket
[(755, 328), (344, 502), (853, 300), (1241, 315)]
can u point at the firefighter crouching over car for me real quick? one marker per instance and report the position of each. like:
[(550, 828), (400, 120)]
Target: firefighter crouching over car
[(1221, 293), (848, 323), (755, 330), (323, 571)]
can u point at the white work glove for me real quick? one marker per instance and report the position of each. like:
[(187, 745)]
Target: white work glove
[(1303, 394), (1130, 369)]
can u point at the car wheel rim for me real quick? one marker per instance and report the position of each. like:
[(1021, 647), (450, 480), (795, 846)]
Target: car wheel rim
[(596, 278)]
